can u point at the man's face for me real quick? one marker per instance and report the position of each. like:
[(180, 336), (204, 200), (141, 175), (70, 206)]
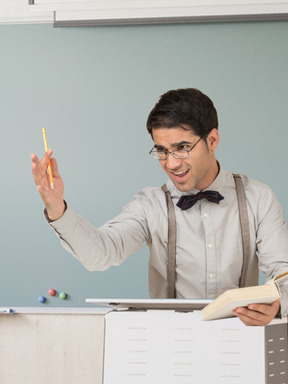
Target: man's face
[(199, 169)]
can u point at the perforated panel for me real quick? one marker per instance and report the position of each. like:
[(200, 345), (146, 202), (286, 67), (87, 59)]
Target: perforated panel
[(276, 345)]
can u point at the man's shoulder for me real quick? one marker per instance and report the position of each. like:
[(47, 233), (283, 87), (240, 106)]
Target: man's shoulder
[(150, 193), (256, 185), (146, 201), (258, 194)]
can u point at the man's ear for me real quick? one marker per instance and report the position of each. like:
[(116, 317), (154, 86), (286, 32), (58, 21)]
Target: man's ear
[(213, 139)]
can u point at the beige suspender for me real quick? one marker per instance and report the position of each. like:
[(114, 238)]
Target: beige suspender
[(244, 223), (171, 244)]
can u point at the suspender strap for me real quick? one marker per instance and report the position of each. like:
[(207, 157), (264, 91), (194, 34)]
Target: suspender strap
[(171, 265), (244, 223)]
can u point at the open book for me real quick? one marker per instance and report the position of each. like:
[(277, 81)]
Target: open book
[(241, 297)]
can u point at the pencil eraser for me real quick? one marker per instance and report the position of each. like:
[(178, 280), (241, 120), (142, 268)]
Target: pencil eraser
[(63, 295), (52, 292), (42, 299)]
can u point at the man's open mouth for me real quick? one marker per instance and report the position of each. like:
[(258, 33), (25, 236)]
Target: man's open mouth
[(181, 174)]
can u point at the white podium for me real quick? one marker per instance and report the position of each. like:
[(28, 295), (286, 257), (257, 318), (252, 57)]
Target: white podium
[(175, 346), (147, 346), (179, 348)]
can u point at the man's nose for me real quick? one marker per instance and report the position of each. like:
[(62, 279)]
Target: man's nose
[(172, 162)]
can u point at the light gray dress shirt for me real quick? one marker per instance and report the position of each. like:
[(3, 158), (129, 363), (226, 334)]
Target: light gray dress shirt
[(209, 252)]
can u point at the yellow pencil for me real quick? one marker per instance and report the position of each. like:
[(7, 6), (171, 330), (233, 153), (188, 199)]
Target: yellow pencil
[(49, 165)]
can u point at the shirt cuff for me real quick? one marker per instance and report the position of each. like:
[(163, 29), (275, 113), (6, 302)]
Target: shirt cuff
[(52, 221)]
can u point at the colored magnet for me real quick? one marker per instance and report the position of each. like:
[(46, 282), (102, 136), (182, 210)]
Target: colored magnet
[(52, 292), (63, 295), (42, 299)]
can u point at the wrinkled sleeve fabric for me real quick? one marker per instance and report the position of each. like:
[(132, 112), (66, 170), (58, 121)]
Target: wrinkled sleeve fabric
[(272, 240), (100, 248)]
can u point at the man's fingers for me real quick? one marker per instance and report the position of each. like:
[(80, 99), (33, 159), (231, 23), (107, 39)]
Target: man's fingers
[(46, 158), (35, 167), (39, 170), (34, 158), (252, 318), (54, 167), (269, 310), (258, 314)]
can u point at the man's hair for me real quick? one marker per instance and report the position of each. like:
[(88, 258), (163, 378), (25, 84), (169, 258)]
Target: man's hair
[(184, 106)]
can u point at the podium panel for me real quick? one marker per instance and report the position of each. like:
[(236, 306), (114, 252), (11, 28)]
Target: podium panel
[(179, 348), (57, 346)]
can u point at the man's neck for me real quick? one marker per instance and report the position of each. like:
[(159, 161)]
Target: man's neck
[(213, 173)]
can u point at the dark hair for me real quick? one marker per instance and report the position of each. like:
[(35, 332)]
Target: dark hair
[(184, 106)]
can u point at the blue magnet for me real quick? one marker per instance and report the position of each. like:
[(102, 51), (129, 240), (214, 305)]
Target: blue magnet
[(42, 299)]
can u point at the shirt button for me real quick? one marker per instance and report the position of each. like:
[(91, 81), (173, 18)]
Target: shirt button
[(210, 245), (211, 275), (205, 215)]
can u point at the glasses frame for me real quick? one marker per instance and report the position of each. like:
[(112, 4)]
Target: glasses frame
[(155, 156)]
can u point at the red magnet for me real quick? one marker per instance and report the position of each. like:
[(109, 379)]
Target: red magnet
[(52, 292)]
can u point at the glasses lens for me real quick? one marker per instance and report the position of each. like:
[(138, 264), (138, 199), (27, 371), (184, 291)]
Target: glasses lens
[(161, 155), (181, 154), (158, 154)]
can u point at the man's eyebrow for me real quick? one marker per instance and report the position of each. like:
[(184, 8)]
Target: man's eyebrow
[(184, 142), (174, 145), (156, 146)]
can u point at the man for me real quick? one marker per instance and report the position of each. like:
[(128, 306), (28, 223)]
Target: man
[(209, 243)]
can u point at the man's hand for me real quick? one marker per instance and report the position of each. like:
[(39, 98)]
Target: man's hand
[(258, 314), (52, 198)]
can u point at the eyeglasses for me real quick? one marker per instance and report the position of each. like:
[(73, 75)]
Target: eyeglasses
[(178, 153)]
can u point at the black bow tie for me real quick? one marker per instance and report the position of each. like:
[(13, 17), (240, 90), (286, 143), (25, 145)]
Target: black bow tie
[(186, 202)]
